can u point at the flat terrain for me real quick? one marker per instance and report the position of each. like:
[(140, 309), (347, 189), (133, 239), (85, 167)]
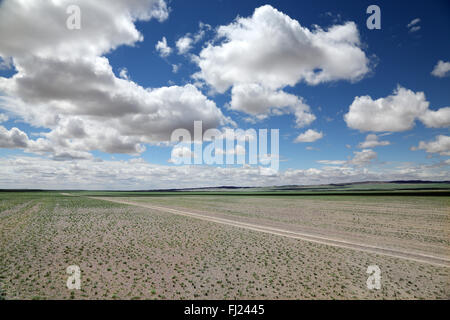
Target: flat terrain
[(139, 252), (290, 222)]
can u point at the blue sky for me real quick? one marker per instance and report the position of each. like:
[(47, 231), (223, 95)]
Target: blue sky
[(400, 59)]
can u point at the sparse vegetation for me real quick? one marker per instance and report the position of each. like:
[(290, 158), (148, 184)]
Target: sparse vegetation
[(127, 252)]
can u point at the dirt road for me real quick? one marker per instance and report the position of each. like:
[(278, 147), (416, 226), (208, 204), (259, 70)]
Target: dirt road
[(408, 255)]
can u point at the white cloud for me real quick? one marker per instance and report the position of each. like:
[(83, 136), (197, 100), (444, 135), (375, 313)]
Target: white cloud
[(115, 114), (3, 117), (36, 172), (39, 27), (13, 138), (309, 136), (175, 67), (397, 112), (363, 157), (372, 142), (244, 59), (360, 159), (413, 22), (271, 49), (441, 69), (180, 153), (130, 114), (440, 145), (163, 49), (260, 102), (123, 73), (238, 150), (413, 25), (203, 28), (184, 44), (332, 162), (17, 139), (436, 119)]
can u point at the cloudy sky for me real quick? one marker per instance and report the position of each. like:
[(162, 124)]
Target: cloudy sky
[(94, 107)]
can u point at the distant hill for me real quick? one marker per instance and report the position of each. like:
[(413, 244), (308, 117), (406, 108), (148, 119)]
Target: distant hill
[(353, 186), (365, 185)]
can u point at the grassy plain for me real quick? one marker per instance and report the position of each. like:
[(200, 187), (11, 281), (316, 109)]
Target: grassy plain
[(130, 252)]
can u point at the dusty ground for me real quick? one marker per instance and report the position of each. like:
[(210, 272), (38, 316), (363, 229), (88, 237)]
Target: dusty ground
[(135, 253), (292, 232), (418, 224)]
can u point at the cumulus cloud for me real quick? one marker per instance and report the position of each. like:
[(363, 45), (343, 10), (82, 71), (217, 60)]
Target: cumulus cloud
[(123, 73), (440, 145), (261, 102), (39, 27), (360, 159), (116, 115), (363, 157), (268, 51), (293, 53), (436, 119), (397, 112), (13, 138), (163, 49), (309, 136), (184, 44), (372, 142), (36, 172), (17, 139), (441, 69), (112, 110)]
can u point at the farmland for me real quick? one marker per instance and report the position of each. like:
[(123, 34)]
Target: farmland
[(220, 245)]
